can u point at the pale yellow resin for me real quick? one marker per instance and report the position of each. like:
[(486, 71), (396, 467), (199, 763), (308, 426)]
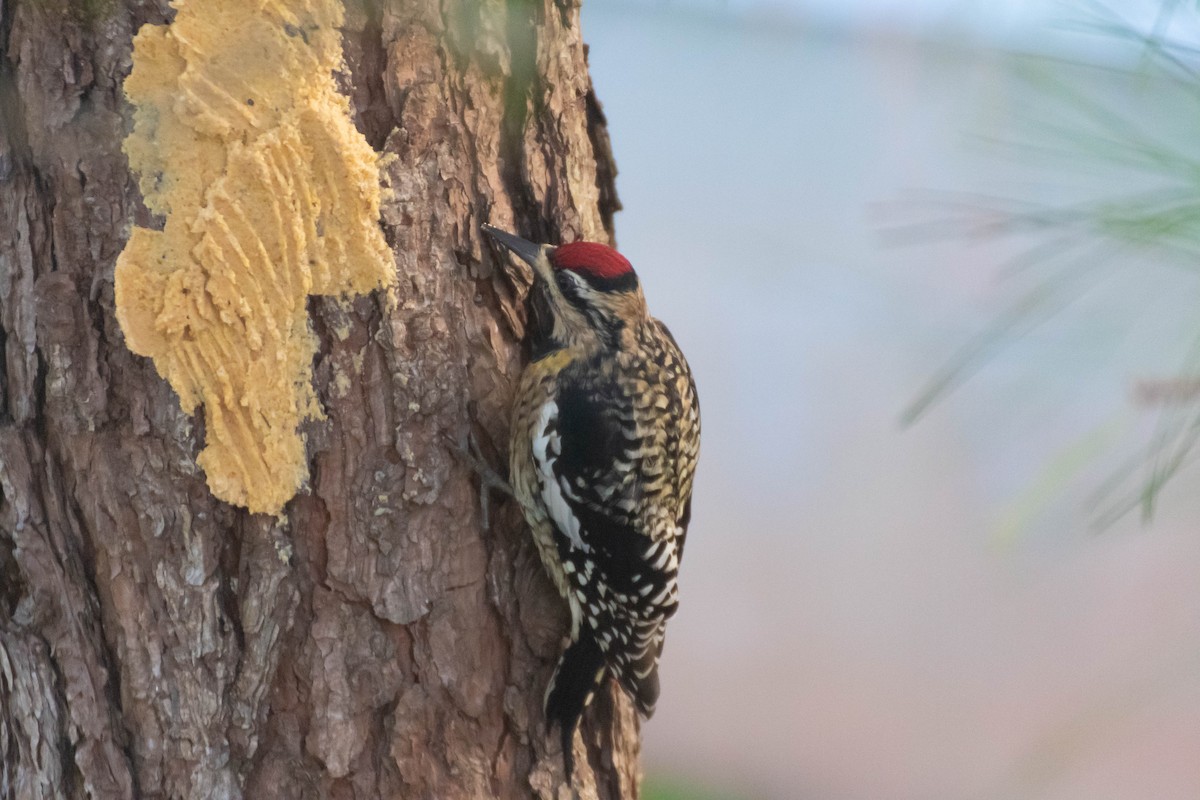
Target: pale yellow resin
[(243, 143)]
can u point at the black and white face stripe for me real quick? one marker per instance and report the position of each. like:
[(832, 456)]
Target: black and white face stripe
[(589, 295), (627, 282)]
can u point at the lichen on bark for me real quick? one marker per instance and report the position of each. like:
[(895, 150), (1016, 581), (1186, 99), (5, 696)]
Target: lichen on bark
[(243, 143)]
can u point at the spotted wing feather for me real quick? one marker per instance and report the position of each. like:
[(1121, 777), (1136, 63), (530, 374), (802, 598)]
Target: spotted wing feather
[(622, 572)]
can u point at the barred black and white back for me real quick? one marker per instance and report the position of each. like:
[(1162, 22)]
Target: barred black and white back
[(613, 453)]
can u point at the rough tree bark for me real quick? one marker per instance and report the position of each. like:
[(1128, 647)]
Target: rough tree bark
[(371, 641)]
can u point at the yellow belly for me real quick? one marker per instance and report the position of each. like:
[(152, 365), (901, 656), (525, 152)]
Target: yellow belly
[(536, 389)]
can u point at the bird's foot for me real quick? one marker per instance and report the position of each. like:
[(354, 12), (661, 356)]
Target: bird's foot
[(489, 479)]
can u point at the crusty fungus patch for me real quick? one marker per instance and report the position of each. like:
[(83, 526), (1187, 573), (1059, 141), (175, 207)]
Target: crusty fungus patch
[(243, 143)]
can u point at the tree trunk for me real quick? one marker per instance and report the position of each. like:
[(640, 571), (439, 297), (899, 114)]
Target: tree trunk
[(371, 640)]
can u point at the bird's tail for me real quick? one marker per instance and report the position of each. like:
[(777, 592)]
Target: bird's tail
[(579, 673), (636, 668)]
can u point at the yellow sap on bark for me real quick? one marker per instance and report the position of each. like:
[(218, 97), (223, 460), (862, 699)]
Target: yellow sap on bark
[(243, 144)]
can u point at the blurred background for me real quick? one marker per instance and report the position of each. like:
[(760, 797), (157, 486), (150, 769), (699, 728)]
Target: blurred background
[(934, 263)]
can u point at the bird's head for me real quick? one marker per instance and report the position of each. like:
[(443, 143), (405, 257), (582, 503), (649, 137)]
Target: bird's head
[(584, 293)]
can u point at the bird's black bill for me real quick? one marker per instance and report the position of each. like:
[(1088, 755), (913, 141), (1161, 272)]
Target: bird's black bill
[(525, 250)]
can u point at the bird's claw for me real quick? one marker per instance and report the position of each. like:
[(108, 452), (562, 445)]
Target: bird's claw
[(489, 479)]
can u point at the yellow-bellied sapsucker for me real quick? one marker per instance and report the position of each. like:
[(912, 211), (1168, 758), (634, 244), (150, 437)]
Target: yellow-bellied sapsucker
[(605, 437)]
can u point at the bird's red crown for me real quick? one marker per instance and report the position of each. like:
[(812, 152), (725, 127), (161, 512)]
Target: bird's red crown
[(591, 258)]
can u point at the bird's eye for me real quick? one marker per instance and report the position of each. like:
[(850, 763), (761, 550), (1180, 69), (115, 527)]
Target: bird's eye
[(569, 283)]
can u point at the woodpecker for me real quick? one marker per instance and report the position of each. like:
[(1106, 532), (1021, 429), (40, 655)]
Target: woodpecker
[(603, 449)]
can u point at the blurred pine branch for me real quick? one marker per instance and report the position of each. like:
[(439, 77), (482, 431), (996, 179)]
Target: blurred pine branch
[(1076, 247)]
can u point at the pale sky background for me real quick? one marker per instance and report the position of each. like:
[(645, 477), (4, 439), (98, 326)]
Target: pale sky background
[(871, 611), (1036, 25)]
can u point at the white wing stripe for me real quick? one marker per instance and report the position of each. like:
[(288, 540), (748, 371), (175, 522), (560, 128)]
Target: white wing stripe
[(545, 442)]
